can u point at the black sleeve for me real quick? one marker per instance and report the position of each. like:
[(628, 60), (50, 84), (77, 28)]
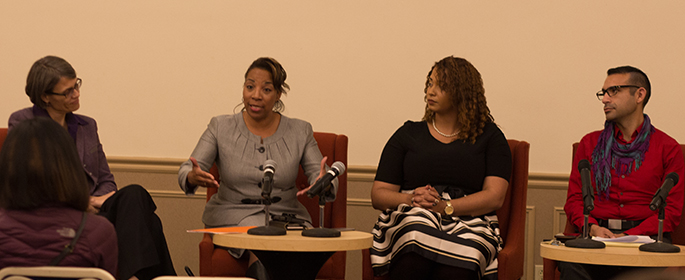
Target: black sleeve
[(498, 156), (390, 167)]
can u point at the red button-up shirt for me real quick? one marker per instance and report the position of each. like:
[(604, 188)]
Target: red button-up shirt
[(630, 195)]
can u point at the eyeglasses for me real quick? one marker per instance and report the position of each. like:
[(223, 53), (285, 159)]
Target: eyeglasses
[(70, 91), (612, 91)]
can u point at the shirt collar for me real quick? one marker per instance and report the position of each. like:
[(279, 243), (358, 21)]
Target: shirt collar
[(72, 120), (619, 135)]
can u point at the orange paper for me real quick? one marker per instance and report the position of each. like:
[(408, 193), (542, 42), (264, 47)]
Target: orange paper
[(221, 230)]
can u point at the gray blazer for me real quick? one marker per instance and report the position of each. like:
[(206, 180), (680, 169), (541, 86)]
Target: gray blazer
[(100, 179), (239, 155)]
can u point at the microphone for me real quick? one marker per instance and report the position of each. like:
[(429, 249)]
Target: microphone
[(267, 184), (661, 194), (585, 241), (267, 181), (323, 184), (588, 192)]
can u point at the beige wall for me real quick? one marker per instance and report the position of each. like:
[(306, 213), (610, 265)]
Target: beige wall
[(156, 71)]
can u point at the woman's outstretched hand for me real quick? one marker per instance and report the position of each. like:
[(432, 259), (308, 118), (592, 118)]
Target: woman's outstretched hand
[(200, 178), (323, 171)]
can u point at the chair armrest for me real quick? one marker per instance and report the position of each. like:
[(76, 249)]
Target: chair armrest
[(367, 271), (206, 251), (549, 269), (510, 261)]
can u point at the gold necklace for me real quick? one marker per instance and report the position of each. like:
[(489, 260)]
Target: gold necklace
[(443, 134)]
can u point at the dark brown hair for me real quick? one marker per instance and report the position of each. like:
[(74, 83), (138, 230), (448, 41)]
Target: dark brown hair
[(39, 166), (637, 77), (460, 80), (278, 76), (44, 75)]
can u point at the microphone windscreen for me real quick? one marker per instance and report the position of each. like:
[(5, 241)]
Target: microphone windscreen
[(338, 166), (673, 176), (583, 164), (270, 163)]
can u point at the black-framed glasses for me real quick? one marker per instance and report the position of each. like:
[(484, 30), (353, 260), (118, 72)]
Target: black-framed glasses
[(612, 91), (70, 91)]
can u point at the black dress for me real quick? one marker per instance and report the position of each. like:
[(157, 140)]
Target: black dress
[(414, 158)]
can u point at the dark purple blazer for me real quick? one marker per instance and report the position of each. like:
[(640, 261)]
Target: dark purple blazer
[(35, 237), (100, 179)]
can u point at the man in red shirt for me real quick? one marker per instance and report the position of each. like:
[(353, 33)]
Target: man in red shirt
[(630, 159)]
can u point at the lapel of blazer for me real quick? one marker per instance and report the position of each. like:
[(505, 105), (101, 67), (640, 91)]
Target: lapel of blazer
[(81, 143)]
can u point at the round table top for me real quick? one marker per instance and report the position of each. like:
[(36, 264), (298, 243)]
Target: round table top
[(293, 241), (612, 255)]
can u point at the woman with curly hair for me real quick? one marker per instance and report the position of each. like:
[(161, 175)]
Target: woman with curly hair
[(439, 183)]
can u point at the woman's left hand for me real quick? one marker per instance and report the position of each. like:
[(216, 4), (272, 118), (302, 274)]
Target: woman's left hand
[(97, 201), (425, 197), (323, 171)]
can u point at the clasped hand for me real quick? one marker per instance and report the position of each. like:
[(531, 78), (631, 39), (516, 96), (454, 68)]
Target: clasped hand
[(425, 197)]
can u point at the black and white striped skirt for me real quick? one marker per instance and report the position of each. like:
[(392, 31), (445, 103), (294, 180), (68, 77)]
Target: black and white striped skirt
[(465, 242)]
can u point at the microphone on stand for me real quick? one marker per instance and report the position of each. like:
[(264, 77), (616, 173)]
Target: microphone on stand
[(659, 203), (322, 187), (267, 181), (585, 241), (662, 193), (586, 183), (267, 185)]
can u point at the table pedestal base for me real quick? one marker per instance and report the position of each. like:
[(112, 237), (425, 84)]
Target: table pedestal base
[(292, 265)]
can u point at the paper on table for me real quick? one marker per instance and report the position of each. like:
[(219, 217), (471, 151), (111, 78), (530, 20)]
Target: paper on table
[(222, 230), (627, 239)]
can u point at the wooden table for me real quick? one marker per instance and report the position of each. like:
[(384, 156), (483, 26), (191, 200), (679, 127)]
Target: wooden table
[(293, 256), (612, 255)]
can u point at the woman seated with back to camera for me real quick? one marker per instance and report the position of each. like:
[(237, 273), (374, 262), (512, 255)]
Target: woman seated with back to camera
[(439, 182), (44, 198), (240, 144), (54, 89)]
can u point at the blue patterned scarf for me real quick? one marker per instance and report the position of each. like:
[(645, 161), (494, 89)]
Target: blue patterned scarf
[(609, 154)]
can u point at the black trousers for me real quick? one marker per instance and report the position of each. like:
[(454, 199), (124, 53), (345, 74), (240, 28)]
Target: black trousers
[(578, 271), (143, 250)]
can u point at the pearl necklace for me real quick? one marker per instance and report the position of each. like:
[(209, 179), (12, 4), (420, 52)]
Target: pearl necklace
[(443, 134)]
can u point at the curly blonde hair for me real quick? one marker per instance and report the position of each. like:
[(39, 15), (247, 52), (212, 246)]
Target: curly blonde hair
[(460, 80)]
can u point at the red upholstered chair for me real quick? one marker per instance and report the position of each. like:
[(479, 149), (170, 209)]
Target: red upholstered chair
[(550, 269), (512, 219), (3, 135), (217, 261)]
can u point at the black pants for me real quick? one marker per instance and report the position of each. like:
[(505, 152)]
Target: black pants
[(143, 251), (578, 271), (412, 266)]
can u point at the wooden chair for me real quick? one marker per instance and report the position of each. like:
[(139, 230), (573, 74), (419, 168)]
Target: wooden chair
[(199, 278), (217, 261), (550, 270), (512, 220), (54, 272)]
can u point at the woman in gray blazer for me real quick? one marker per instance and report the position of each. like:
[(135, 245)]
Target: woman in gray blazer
[(241, 143)]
